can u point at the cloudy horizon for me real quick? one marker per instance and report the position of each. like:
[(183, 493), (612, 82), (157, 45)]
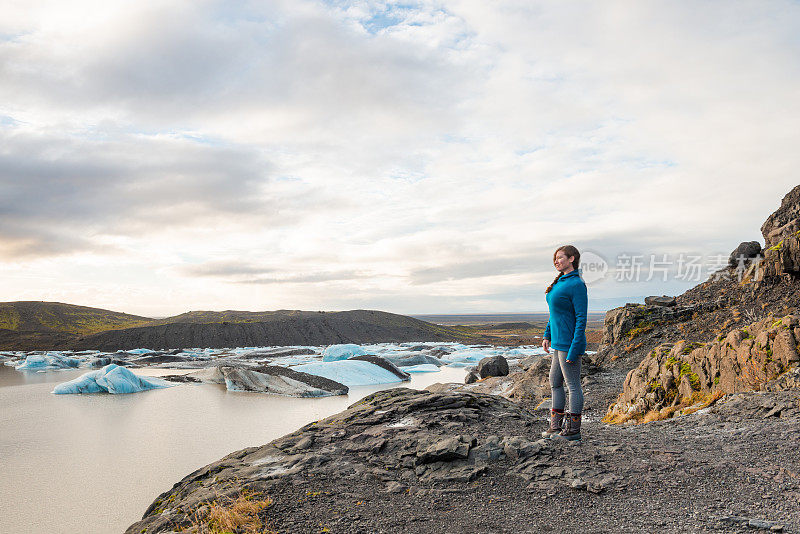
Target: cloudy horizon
[(417, 157)]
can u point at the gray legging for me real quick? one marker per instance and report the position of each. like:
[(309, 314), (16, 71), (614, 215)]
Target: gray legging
[(560, 370)]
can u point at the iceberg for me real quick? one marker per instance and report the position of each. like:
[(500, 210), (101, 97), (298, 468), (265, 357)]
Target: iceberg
[(34, 361), (350, 372), (466, 357), (270, 379), (110, 379), (421, 368), (51, 360), (342, 352)]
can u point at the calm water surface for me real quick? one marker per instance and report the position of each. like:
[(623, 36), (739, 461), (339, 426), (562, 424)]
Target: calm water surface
[(94, 463)]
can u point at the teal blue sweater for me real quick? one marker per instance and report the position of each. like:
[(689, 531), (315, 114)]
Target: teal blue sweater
[(566, 328)]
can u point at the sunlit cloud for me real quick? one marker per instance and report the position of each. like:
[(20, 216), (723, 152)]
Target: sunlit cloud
[(415, 157)]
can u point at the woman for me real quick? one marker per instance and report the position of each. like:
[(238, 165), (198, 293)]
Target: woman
[(566, 333)]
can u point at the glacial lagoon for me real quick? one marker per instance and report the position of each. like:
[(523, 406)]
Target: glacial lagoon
[(93, 463)]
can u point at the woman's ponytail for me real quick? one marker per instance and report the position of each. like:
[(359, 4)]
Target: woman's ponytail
[(554, 283)]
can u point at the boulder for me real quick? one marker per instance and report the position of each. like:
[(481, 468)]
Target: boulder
[(663, 300), (745, 251), (444, 450), (492, 366), (534, 383)]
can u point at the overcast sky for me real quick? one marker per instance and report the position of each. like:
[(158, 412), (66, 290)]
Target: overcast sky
[(414, 157)]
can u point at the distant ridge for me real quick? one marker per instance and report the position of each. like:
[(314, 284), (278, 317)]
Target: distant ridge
[(34, 325), (59, 326)]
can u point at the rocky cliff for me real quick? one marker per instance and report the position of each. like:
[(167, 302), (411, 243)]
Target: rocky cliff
[(759, 282), (738, 331)]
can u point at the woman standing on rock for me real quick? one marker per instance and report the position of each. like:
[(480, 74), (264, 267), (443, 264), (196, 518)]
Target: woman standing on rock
[(566, 333)]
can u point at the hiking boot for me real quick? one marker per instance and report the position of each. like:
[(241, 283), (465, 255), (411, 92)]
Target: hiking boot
[(556, 420), (572, 428)]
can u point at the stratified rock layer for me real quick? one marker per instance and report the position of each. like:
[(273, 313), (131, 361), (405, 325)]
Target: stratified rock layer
[(745, 359)]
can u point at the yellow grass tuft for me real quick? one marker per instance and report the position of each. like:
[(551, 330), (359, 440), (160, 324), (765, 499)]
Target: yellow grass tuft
[(227, 515), (698, 401)]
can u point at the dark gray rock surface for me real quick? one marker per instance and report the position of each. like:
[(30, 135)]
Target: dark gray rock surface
[(404, 460), (663, 300), (416, 359), (492, 366)]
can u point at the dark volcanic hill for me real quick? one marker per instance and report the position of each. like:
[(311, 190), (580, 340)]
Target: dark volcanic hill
[(32, 325), (282, 327)]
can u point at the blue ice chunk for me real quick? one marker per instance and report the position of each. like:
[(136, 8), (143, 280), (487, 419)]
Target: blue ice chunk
[(350, 372), (466, 356), (86, 383), (33, 361), (523, 352), (111, 379), (141, 351), (51, 360), (342, 352), (421, 368)]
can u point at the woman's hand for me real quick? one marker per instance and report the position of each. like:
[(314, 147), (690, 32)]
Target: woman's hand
[(546, 345)]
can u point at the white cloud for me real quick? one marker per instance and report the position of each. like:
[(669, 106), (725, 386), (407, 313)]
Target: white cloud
[(418, 158)]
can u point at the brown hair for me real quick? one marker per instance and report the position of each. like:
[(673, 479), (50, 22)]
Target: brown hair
[(569, 250)]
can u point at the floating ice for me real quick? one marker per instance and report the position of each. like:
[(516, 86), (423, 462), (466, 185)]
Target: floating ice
[(466, 356), (421, 368), (342, 352), (350, 372), (51, 360), (523, 352), (111, 379), (34, 361), (141, 351)]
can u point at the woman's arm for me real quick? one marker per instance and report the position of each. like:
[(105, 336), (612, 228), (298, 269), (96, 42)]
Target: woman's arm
[(580, 302)]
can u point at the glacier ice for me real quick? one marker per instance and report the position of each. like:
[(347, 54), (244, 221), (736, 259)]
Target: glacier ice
[(421, 368), (350, 372), (51, 360), (111, 379), (342, 352)]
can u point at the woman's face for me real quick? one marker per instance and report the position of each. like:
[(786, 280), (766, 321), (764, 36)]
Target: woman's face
[(562, 262)]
